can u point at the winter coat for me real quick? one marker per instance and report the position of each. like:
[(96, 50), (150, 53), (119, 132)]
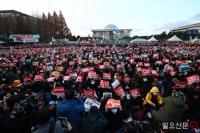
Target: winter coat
[(173, 110), (149, 96), (71, 109), (45, 128), (93, 123), (144, 86), (115, 121)]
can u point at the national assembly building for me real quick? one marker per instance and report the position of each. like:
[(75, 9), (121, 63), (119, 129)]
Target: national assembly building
[(111, 32)]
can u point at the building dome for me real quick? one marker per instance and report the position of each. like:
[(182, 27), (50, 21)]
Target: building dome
[(110, 26)]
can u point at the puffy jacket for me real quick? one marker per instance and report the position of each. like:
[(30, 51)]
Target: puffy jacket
[(173, 110), (93, 123), (149, 97), (71, 109), (45, 128)]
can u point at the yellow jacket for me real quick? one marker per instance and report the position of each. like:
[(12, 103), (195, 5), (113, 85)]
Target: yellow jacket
[(149, 96), (14, 85)]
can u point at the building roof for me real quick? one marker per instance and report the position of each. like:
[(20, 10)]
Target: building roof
[(15, 12), (191, 26), (152, 39), (139, 40), (104, 30), (174, 39), (110, 26)]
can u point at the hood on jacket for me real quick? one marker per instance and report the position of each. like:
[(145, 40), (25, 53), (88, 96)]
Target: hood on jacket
[(154, 90)]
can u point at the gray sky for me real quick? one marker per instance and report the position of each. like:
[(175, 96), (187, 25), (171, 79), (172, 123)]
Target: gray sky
[(145, 17)]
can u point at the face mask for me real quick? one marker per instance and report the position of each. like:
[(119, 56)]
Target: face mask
[(185, 73), (154, 94), (145, 79), (92, 82), (114, 111)]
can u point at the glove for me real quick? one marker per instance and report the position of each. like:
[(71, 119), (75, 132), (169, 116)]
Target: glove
[(153, 105)]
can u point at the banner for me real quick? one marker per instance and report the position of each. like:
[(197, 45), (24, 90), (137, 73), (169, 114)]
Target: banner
[(193, 79), (25, 38)]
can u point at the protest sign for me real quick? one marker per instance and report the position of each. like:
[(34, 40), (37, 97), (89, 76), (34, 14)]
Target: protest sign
[(104, 84), (112, 103), (59, 92), (193, 79), (91, 102)]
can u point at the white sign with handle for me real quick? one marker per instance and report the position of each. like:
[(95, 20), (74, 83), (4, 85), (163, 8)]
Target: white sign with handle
[(91, 102)]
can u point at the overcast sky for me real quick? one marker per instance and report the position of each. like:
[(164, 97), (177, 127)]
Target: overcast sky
[(145, 17)]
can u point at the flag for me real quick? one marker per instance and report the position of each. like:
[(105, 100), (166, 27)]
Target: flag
[(115, 31)]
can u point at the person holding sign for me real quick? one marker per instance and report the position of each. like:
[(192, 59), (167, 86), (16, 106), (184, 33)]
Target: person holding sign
[(71, 108), (114, 115)]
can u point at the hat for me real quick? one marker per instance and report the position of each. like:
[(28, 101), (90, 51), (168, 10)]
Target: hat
[(17, 82)]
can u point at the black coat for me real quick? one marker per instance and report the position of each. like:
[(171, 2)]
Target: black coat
[(115, 121), (93, 123)]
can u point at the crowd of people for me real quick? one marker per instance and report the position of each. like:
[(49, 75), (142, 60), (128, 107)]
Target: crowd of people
[(91, 88)]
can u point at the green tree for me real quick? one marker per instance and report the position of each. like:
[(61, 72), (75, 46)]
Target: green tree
[(62, 27)]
